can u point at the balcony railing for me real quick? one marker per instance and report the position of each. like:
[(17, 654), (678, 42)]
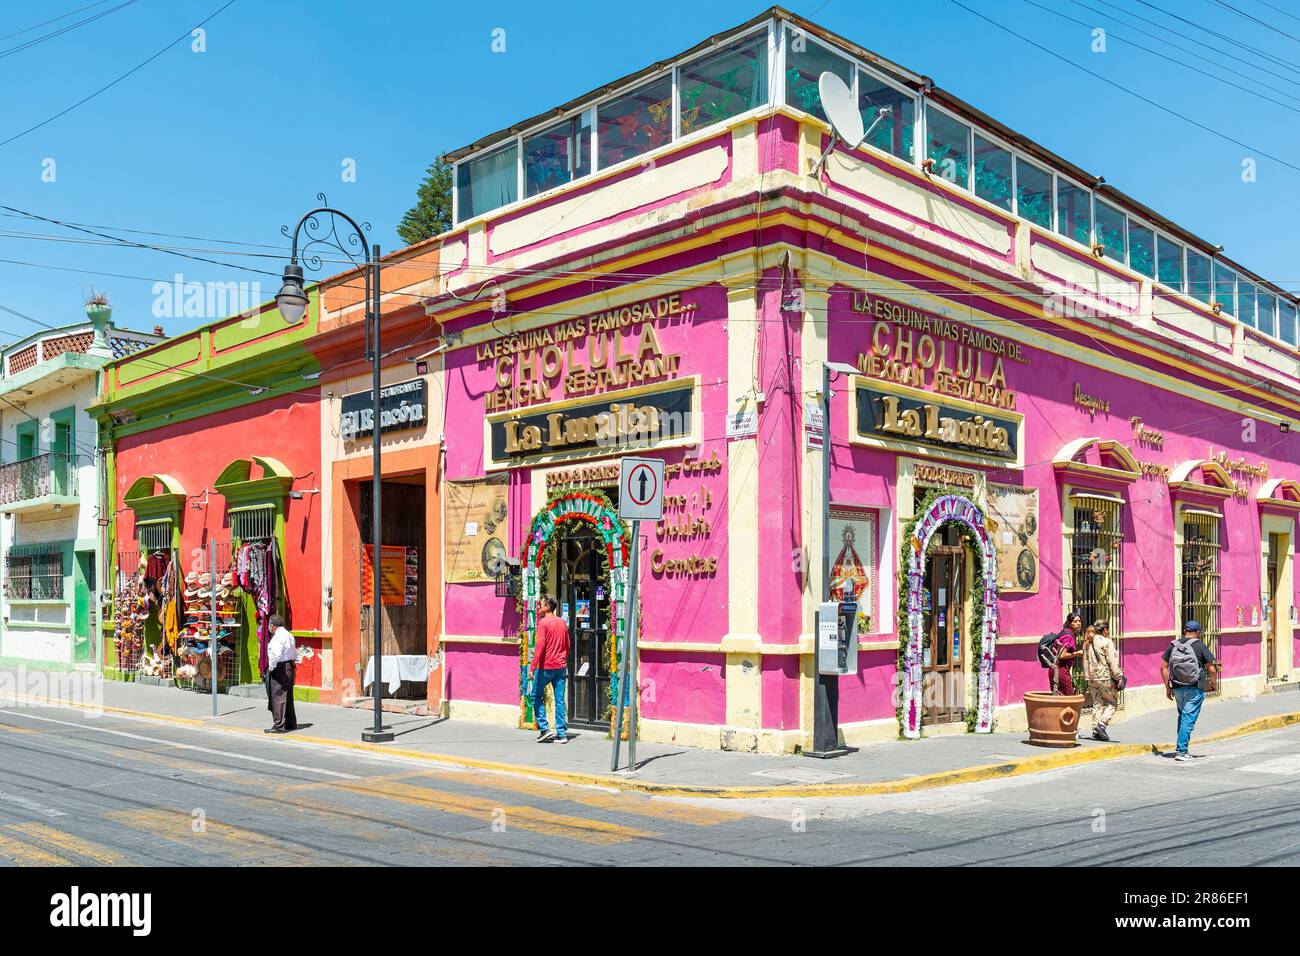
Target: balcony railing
[(53, 473)]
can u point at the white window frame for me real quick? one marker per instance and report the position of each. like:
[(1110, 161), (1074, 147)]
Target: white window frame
[(970, 144), (1057, 178)]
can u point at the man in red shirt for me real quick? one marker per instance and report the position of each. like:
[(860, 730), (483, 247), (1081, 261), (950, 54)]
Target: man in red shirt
[(550, 666)]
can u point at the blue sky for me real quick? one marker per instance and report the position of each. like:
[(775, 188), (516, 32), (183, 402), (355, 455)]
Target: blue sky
[(231, 143)]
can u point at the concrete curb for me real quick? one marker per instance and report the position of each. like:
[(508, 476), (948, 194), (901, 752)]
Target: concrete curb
[(1012, 768)]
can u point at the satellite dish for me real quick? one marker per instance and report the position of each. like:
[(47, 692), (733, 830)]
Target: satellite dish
[(838, 105)]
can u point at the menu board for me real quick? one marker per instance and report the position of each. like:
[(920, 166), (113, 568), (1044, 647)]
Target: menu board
[(1014, 510), (392, 574), (476, 532)]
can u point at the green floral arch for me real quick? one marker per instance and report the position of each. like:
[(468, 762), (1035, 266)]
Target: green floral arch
[(571, 507)]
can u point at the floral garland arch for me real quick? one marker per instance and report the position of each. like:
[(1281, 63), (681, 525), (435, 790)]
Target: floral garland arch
[(943, 509), (569, 506)]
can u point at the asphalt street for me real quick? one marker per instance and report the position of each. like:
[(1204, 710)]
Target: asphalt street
[(113, 790)]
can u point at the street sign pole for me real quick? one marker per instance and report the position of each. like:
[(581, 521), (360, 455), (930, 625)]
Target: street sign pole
[(633, 688), (627, 666), (640, 497), (212, 627)]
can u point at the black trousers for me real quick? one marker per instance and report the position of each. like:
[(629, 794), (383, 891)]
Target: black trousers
[(279, 696)]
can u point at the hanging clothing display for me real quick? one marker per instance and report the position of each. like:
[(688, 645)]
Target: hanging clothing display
[(257, 572)]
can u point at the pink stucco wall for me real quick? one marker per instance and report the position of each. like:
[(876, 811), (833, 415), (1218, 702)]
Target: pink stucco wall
[(678, 606), (694, 608), (690, 688)]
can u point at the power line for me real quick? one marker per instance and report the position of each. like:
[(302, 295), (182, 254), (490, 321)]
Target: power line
[(109, 86), (1263, 23), (139, 245), (52, 20), (1216, 50), (1145, 99), (62, 30), (1184, 49), (1278, 9), (1170, 59), (1222, 36)]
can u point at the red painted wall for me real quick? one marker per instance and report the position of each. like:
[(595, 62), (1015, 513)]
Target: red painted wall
[(196, 452)]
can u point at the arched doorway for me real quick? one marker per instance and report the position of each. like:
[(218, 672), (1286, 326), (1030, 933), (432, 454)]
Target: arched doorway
[(580, 537), (946, 510)]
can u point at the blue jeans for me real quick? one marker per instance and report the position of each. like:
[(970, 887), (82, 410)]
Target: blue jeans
[(559, 679), (1188, 701)]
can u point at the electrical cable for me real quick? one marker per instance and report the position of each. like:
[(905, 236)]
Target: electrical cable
[(1177, 62), (113, 83), (43, 23), (1145, 99), (27, 44)]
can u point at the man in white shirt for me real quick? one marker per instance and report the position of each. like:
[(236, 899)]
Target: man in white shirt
[(282, 659)]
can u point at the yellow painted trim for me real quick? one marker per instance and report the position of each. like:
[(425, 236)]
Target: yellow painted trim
[(1035, 764)]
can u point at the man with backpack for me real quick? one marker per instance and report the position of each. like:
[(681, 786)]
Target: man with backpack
[(1189, 670)]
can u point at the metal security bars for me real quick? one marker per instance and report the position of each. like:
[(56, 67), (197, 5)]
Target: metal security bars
[(154, 535), (1200, 576), (252, 524), (38, 477), (34, 573), (1096, 548), (1096, 561)]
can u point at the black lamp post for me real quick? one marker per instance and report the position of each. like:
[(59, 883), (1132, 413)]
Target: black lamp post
[(292, 302)]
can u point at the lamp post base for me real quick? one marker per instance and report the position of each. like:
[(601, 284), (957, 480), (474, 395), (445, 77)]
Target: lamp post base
[(381, 736), (828, 754)]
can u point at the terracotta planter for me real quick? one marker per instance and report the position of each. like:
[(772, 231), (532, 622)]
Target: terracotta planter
[(1053, 719)]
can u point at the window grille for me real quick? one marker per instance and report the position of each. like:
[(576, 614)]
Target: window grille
[(34, 573), (1200, 576), (1096, 575), (1096, 561), (154, 535), (253, 524)]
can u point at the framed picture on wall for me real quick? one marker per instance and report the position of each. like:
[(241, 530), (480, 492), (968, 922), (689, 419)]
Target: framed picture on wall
[(853, 546), (1015, 509)]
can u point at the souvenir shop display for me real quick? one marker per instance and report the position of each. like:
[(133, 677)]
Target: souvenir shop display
[(257, 573), (201, 626), (141, 593)]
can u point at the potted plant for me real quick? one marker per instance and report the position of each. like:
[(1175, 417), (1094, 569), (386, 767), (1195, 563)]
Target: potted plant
[(1053, 718), (98, 308)]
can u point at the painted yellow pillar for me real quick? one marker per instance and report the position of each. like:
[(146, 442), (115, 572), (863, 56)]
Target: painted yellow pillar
[(742, 644)]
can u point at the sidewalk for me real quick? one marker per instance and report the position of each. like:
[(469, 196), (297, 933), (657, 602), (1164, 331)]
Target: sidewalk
[(892, 766)]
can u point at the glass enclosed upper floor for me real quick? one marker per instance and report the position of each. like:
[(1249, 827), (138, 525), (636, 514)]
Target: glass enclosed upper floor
[(776, 61)]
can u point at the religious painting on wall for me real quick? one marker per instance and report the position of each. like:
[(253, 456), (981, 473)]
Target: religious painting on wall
[(476, 529), (1015, 511), (852, 545)]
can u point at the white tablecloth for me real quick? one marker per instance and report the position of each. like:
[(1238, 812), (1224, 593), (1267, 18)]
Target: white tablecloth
[(398, 668)]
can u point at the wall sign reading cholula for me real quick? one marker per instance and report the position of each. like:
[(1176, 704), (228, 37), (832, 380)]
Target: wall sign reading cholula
[(916, 348)]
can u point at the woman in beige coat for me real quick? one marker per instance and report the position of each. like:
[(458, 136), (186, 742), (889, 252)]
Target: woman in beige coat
[(1105, 679)]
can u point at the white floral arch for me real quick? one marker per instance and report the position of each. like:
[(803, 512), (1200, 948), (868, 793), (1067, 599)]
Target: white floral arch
[(963, 510)]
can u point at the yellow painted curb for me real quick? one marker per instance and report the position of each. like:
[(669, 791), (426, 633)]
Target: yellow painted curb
[(1074, 756)]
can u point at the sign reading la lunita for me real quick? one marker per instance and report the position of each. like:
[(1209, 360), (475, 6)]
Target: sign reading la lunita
[(403, 405), (617, 423), (929, 421)]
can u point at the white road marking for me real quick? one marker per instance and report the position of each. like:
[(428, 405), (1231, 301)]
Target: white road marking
[(180, 746), (1283, 766), (31, 805)]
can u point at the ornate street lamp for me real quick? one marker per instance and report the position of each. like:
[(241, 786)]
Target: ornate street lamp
[(292, 302)]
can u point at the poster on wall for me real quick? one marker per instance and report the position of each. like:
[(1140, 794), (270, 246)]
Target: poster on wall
[(1015, 509), (852, 545), (392, 574), (476, 528)]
